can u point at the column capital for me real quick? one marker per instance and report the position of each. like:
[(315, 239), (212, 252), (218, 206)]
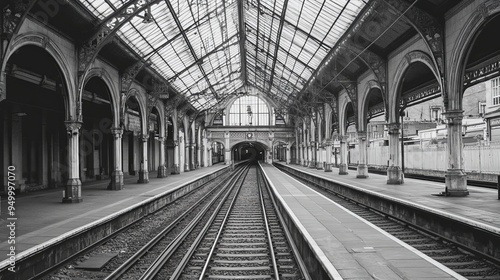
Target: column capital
[(393, 128), (176, 142), (454, 117), (162, 139), (117, 132), (73, 127), (144, 137)]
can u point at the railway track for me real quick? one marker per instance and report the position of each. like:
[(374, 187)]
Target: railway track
[(245, 241), (453, 256), (148, 260), (237, 235)]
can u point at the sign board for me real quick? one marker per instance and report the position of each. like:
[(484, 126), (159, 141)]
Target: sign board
[(133, 123), (336, 144)]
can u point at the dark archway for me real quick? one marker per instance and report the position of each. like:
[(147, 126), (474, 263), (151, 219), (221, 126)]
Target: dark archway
[(153, 140), (248, 151), (34, 138), (132, 152), (96, 142)]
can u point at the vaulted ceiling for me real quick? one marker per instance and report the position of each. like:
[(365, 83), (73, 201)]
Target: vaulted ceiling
[(209, 50)]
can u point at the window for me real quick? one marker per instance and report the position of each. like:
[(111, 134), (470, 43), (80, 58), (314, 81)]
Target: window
[(249, 110), (435, 113), (482, 108), (495, 91)]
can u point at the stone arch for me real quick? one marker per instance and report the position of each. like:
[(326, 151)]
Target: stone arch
[(397, 82), (113, 91), (142, 107), (161, 114), (44, 42), (344, 101), (363, 118), (460, 51), (243, 141)]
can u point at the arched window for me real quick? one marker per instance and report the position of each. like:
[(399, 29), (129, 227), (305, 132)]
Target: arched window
[(249, 110)]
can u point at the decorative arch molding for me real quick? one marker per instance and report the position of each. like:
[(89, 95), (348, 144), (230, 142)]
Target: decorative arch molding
[(344, 100), (161, 114), (142, 106), (404, 64), (44, 42), (461, 48), (233, 144), (104, 75), (363, 118)]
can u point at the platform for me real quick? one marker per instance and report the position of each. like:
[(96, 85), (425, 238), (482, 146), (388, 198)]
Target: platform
[(480, 208), (351, 247), (43, 219)]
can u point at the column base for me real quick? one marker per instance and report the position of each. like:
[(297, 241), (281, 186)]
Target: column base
[(305, 163), (116, 183), (177, 169), (73, 191), (362, 171), (328, 167), (143, 177), (319, 165), (395, 175), (456, 183), (312, 164), (162, 171), (343, 169), (186, 167)]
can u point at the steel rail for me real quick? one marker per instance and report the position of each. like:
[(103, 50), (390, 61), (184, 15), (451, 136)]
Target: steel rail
[(179, 269), (268, 231), (288, 235), (124, 267)]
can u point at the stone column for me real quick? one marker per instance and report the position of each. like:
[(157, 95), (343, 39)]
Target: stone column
[(199, 145), (227, 149), (362, 167), (328, 160), (73, 189), (162, 168), (186, 154), (455, 177), (177, 169), (288, 154), (143, 172), (117, 174), (206, 153), (305, 147), (343, 155), (210, 158), (394, 172)]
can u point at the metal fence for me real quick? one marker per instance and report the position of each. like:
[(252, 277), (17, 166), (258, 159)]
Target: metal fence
[(482, 157)]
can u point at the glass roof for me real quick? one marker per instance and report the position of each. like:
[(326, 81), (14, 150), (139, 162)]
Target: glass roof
[(195, 45)]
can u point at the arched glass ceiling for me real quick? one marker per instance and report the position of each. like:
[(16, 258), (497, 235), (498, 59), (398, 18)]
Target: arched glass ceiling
[(197, 45)]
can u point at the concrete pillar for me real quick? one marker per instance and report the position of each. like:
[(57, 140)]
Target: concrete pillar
[(143, 172), (162, 167), (328, 159), (362, 167), (343, 155), (455, 177), (394, 172), (117, 174), (73, 188)]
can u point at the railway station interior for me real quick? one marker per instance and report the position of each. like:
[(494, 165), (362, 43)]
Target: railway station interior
[(127, 94)]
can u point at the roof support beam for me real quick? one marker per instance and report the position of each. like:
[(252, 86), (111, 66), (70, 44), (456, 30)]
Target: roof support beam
[(199, 60), (193, 53), (280, 29), (243, 38)]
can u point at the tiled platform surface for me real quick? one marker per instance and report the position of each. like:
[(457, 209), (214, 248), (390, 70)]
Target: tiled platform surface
[(480, 208), (41, 216), (352, 247)]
